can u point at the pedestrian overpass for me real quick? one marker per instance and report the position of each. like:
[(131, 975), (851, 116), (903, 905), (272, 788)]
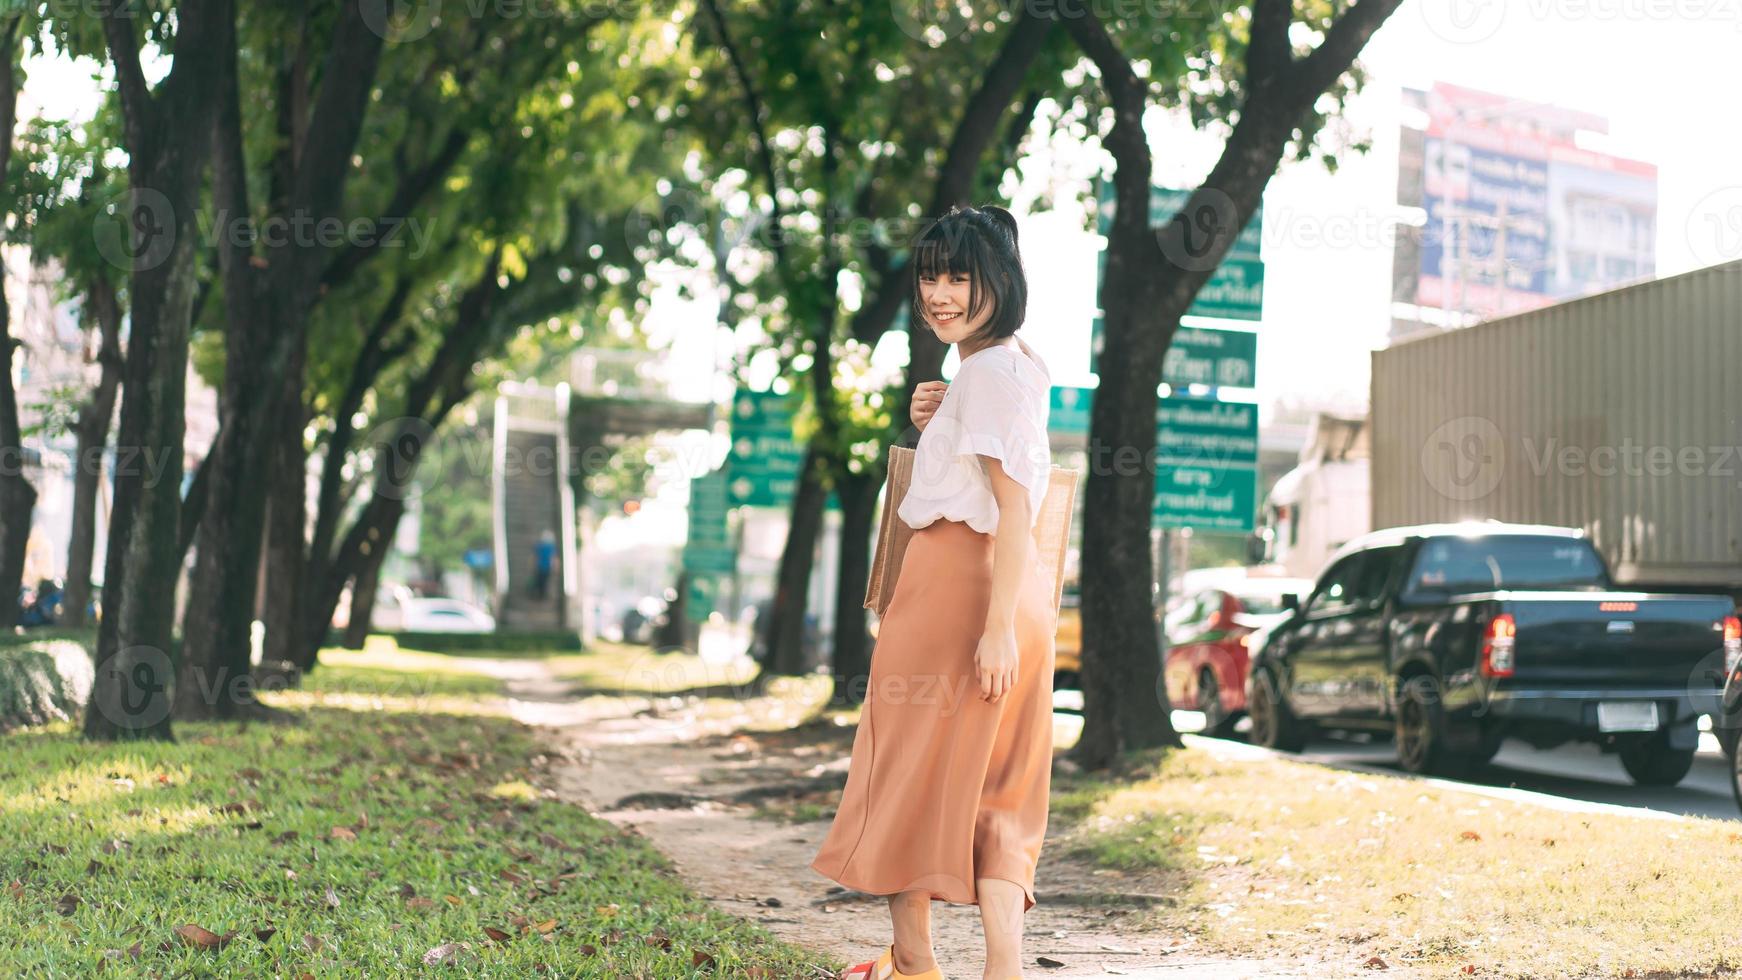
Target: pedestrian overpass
[(539, 438)]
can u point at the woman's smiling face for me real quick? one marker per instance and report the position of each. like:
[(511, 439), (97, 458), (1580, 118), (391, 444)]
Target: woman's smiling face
[(945, 298)]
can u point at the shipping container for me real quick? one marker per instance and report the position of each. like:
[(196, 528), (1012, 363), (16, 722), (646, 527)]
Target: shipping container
[(1620, 413)]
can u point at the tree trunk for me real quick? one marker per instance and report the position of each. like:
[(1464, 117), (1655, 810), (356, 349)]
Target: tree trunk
[(92, 434), (852, 655), (784, 638), (17, 496), (1152, 276), (364, 589), (287, 518), (266, 318), (167, 142)]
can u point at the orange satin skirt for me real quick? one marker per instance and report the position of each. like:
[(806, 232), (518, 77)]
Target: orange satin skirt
[(943, 788)]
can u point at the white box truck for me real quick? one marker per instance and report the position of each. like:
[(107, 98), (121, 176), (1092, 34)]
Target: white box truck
[(1619, 413)]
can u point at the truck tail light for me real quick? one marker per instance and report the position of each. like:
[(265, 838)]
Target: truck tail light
[(1499, 643), (1732, 643)]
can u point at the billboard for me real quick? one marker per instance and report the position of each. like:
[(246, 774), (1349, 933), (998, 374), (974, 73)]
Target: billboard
[(1518, 215)]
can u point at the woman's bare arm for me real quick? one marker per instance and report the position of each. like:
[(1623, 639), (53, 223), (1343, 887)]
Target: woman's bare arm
[(1012, 546), (1011, 543)]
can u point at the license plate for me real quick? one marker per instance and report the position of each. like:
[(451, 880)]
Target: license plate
[(1627, 716)]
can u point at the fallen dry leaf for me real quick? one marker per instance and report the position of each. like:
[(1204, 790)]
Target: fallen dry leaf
[(202, 938), (1375, 963), (343, 833), (443, 953), (497, 934)]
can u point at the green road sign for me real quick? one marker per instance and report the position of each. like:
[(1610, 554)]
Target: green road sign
[(1206, 474), (1235, 290), (763, 467), (1225, 358), (1069, 411), (708, 506), (715, 561), (1205, 498), (1201, 356)]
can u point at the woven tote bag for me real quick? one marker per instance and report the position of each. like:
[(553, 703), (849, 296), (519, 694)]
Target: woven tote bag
[(1052, 530)]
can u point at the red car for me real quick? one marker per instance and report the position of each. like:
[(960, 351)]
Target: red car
[(1208, 635)]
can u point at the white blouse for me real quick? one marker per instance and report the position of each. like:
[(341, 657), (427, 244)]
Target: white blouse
[(997, 406)]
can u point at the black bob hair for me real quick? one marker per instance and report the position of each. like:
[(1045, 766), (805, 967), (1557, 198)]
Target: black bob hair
[(980, 243)]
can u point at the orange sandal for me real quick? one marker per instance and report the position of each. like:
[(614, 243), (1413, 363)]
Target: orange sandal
[(883, 968)]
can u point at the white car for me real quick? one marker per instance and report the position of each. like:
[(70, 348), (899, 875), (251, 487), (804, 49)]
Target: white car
[(437, 615)]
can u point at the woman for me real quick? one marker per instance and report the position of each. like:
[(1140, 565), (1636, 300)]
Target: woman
[(946, 794)]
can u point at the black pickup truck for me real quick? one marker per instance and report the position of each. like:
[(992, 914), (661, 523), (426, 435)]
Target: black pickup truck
[(1454, 637)]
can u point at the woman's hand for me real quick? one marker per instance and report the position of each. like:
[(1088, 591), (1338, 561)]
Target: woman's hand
[(927, 396), (996, 660)]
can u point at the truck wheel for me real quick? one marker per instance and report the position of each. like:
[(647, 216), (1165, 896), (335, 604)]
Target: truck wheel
[(1218, 721), (1651, 762), (1421, 731), (1273, 725), (1727, 738), (1736, 777)]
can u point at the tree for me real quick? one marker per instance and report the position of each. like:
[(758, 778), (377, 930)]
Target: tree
[(268, 288), (65, 186), (167, 131), (820, 98), (17, 496), (1152, 276), (404, 348)]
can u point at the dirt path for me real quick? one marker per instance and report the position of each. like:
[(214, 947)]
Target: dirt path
[(692, 784)]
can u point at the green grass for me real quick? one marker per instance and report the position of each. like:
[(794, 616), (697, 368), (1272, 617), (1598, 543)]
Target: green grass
[(1274, 857), (349, 843)]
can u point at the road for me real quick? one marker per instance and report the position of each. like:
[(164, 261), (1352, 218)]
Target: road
[(1578, 773)]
